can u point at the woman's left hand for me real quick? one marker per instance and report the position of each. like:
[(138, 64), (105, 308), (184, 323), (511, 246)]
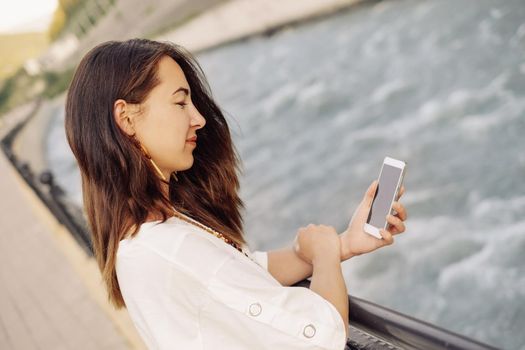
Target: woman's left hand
[(355, 241)]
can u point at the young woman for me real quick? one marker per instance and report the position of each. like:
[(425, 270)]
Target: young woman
[(159, 183)]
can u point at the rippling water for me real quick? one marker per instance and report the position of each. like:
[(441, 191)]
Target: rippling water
[(440, 84)]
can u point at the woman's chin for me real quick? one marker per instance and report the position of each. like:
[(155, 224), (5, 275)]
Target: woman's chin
[(188, 164)]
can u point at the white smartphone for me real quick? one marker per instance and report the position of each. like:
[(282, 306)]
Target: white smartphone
[(390, 180)]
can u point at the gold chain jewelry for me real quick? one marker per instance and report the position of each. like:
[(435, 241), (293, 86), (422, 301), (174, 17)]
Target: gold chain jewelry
[(210, 230)]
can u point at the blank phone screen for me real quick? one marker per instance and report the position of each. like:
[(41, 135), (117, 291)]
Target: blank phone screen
[(384, 195)]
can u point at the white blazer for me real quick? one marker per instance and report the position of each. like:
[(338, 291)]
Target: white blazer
[(184, 288)]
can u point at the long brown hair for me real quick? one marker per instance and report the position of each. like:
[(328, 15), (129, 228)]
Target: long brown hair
[(119, 185)]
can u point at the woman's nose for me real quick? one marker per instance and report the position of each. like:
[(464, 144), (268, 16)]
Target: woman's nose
[(198, 119)]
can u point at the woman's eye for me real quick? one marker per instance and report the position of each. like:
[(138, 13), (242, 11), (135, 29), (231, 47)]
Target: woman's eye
[(182, 105)]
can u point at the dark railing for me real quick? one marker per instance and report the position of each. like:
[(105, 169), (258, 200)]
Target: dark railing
[(44, 186), (376, 327), (371, 326)]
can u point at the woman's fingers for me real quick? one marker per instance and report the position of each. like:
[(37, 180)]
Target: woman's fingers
[(387, 237), (396, 222), (401, 191), (400, 210)]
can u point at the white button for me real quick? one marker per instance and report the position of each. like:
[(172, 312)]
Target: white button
[(255, 309), (309, 331)]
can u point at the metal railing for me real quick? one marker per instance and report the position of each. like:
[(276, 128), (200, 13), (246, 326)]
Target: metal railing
[(44, 186)]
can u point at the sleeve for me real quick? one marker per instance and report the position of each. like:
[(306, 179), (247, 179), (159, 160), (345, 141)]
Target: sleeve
[(247, 309)]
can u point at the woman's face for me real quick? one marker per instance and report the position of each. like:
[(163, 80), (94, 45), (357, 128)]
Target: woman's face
[(168, 119)]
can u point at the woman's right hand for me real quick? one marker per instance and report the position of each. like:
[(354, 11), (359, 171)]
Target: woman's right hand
[(317, 242)]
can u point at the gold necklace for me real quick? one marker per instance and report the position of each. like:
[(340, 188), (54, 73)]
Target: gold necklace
[(208, 229)]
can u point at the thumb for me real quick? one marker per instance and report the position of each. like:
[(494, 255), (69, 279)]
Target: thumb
[(295, 244), (370, 193)]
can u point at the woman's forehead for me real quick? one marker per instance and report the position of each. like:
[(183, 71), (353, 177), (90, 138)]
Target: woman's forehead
[(170, 73)]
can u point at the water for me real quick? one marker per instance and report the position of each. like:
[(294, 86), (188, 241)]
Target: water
[(440, 84)]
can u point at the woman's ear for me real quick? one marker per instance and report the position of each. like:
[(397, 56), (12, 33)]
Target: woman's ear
[(123, 117)]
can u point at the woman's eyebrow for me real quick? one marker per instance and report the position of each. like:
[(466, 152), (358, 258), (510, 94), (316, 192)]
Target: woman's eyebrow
[(186, 91)]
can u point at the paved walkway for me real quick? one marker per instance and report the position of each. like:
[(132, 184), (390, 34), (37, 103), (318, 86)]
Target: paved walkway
[(48, 286)]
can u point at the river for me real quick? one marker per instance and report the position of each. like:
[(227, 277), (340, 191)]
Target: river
[(314, 109)]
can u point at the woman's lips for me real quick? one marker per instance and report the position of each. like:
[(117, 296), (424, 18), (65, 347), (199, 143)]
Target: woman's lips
[(192, 140)]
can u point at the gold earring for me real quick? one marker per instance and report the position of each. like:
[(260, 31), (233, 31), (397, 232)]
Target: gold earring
[(158, 170), (148, 156)]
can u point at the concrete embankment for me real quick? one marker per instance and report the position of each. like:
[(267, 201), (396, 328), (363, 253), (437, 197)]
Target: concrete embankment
[(239, 19)]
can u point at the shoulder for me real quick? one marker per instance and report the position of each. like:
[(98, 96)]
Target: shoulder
[(184, 246)]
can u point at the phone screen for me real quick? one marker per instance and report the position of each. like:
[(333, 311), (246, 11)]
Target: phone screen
[(384, 195)]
